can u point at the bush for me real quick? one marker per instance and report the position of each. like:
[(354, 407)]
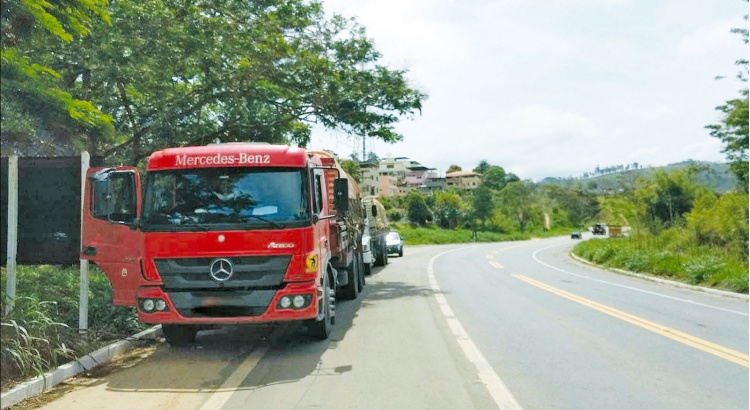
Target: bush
[(670, 254), (702, 268), (40, 332)]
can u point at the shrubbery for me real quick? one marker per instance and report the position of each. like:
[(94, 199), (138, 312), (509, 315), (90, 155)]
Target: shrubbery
[(39, 334)]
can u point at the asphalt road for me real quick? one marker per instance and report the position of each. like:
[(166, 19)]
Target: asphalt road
[(485, 326), (565, 335)]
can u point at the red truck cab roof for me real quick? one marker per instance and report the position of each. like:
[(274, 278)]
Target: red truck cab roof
[(241, 154)]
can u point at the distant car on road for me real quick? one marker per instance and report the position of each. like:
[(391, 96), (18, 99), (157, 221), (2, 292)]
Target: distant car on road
[(575, 235), (394, 244), (599, 229)]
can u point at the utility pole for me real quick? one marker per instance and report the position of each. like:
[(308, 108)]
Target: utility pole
[(364, 151)]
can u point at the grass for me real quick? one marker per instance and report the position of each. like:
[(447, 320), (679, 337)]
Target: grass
[(673, 256), (40, 333), (429, 235)]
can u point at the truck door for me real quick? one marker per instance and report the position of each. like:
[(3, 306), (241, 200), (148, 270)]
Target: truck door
[(320, 210), (110, 236)]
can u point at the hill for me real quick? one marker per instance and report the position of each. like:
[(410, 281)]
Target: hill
[(714, 175)]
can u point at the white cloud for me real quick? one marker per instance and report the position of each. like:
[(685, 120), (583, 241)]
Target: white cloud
[(707, 38), (554, 88)]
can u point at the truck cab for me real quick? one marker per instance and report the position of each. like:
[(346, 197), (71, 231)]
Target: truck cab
[(221, 234)]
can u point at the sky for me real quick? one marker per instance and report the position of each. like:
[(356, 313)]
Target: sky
[(553, 88)]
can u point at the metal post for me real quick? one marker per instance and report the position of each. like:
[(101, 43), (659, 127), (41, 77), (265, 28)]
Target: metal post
[(12, 247), (83, 306)]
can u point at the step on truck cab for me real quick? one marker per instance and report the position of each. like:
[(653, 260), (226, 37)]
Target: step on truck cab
[(227, 234)]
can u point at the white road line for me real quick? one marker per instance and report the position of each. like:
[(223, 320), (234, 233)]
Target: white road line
[(498, 390), (230, 385), (534, 255)]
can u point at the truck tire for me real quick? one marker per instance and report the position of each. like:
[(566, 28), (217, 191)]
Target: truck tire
[(179, 335), (351, 290), (321, 329), (381, 257)]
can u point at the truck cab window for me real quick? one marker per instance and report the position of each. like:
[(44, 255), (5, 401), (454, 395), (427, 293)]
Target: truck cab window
[(114, 198), (212, 198), (318, 194)]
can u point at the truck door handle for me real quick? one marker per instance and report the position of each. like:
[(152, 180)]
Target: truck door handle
[(89, 250)]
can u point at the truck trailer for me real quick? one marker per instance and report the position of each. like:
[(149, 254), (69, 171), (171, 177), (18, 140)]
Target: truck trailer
[(235, 233)]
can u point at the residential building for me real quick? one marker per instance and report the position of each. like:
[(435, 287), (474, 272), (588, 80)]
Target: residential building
[(463, 179)]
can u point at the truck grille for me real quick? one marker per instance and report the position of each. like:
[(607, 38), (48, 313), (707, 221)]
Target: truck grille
[(249, 273)]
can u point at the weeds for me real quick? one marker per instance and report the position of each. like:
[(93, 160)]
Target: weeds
[(669, 255), (40, 332), (431, 235)]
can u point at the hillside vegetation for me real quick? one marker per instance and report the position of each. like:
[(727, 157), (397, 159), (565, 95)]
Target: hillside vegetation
[(715, 176), (682, 226)]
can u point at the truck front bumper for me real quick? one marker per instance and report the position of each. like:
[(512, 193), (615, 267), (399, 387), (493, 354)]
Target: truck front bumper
[(227, 306)]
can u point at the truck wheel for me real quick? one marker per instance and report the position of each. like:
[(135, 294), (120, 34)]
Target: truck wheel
[(321, 329), (179, 335), (350, 291), (380, 254), (401, 253)]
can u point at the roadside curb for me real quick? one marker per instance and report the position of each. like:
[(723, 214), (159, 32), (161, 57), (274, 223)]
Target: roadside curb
[(724, 293), (46, 382)]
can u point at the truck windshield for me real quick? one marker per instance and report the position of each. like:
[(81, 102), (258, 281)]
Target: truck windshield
[(213, 198)]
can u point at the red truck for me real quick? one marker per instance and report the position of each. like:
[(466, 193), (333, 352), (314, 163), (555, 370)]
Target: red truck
[(231, 233)]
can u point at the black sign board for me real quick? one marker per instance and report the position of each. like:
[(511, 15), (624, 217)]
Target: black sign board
[(49, 210)]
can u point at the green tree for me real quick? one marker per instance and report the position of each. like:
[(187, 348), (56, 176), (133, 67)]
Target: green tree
[(516, 201), (721, 222), (665, 198), (482, 167), (176, 72), (352, 168), (32, 90), (494, 177), (453, 168), (511, 177), (417, 210), (448, 209), (482, 204), (733, 127), (573, 207)]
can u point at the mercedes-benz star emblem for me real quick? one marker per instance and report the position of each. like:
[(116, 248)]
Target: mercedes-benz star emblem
[(221, 269)]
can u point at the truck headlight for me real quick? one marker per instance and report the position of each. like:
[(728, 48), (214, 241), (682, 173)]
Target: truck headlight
[(148, 305), (298, 301), (285, 302)]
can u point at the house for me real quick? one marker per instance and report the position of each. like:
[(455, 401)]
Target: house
[(463, 179)]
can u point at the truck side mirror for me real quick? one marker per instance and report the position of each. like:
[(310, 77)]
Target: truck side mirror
[(341, 195)]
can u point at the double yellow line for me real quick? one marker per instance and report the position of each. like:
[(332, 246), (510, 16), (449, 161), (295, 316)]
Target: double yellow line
[(684, 338)]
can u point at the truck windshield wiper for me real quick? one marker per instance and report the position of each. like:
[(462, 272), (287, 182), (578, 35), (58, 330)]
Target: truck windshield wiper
[(274, 224)]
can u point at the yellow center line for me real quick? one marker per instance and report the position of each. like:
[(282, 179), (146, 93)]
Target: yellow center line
[(684, 338), (496, 265)]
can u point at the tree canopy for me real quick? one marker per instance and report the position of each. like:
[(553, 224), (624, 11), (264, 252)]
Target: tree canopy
[(733, 128), (177, 72), (33, 89)]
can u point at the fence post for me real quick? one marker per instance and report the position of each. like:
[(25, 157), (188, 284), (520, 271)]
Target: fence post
[(83, 306), (12, 247)]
